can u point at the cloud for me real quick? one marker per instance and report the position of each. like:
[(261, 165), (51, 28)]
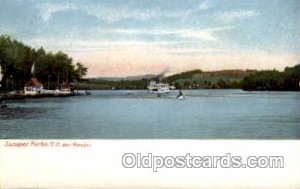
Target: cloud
[(54, 44), (205, 38), (123, 58), (205, 5), (112, 14), (48, 9), (208, 34), (229, 16), (124, 63)]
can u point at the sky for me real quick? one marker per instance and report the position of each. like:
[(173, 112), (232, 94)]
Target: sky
[(138, 37)]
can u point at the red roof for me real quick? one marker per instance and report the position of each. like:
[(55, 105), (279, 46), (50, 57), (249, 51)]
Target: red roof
[(67, 85), (33, 83)]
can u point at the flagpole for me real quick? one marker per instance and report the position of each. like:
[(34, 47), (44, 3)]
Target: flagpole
[(1, 75), (32, 69)]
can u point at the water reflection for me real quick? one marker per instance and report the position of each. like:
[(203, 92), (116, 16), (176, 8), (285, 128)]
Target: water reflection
[(17, 112), (204, 114)]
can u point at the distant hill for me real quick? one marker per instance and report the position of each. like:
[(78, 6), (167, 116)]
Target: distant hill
[(213, 79), (194, 79), (128, 78), (148, 76)]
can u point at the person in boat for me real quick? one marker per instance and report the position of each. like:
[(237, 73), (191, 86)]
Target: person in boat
[(179, 94)]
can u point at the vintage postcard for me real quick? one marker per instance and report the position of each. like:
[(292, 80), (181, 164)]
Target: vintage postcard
[(149, 94)]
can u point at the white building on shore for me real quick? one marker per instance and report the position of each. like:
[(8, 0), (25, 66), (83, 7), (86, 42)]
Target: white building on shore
[(33, 87)]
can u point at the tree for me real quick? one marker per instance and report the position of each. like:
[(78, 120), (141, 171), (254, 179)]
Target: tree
[(222, 84), (177, 85), (80, 71), (16, 60), (273, 80), (187, 84)]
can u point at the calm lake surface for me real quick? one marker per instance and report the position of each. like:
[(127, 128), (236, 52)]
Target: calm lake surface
[(204, 114)]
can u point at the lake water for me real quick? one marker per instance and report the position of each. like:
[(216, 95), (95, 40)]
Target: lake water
[(203, 114)]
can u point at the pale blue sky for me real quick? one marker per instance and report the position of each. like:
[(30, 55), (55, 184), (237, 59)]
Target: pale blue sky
[(148, 36)]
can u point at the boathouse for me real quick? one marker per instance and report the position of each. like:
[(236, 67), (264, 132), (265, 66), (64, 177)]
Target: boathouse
[(67, 88), (33, 87)]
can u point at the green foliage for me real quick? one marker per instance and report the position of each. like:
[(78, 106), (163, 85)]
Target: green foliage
[(222, 84), (273, 80), (226, 79), (16, 60), (80, 71), (183, 75), (197, 79), (118, 85)]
